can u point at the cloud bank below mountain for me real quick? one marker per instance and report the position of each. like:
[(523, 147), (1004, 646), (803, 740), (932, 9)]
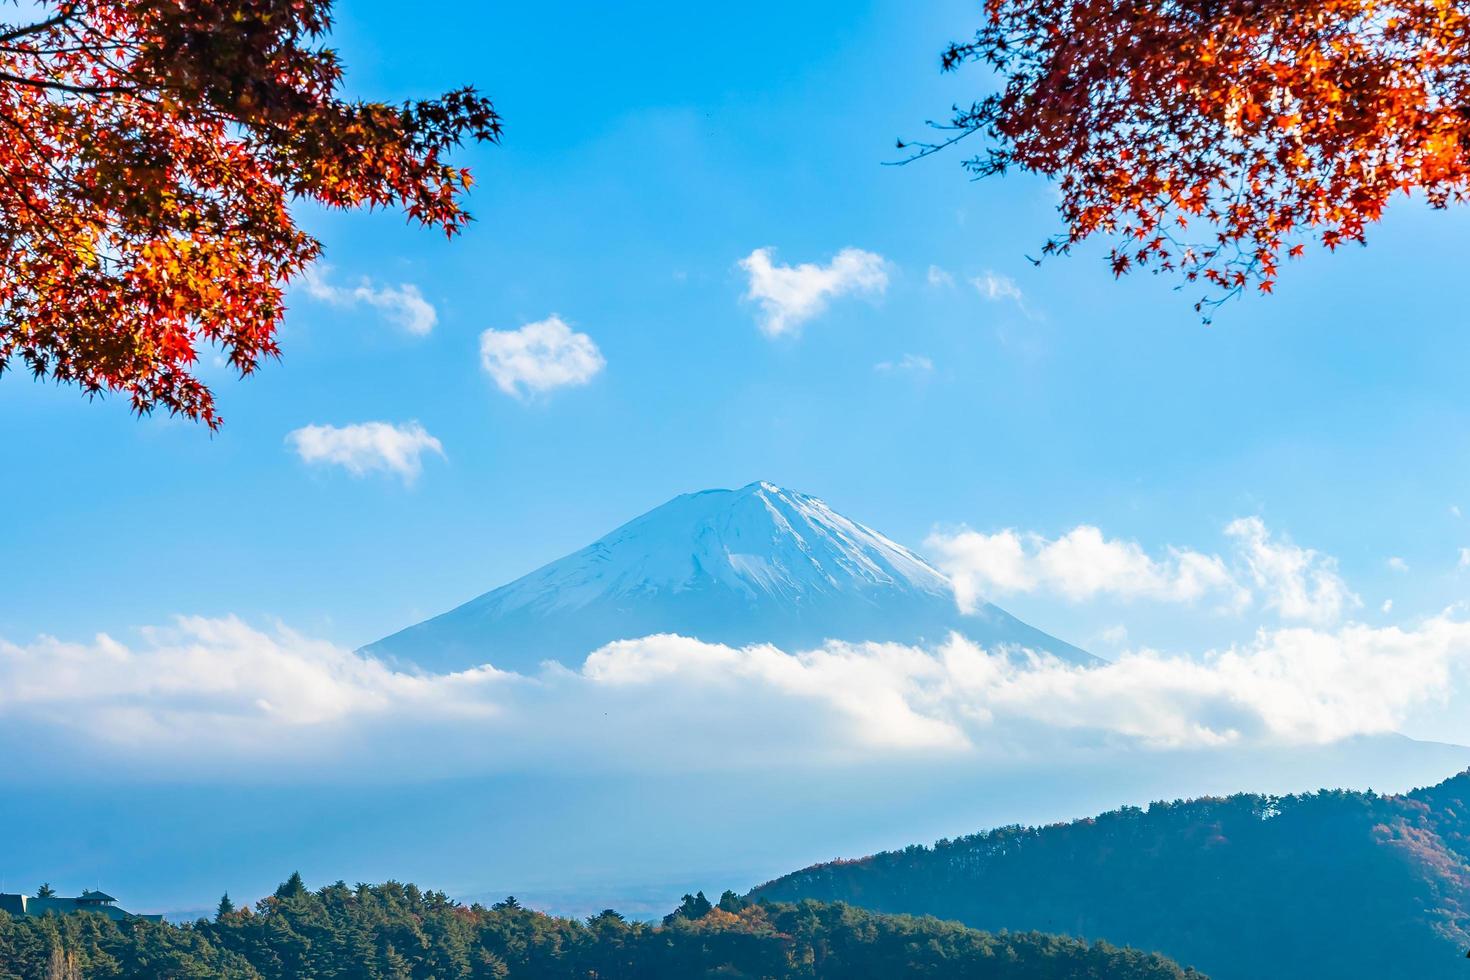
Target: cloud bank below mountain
[(188, 696)]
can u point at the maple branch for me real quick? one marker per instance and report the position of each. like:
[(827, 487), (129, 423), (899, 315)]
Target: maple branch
[(922, 150), (6, 76), (147, 179), (36, 52), (35, 28)]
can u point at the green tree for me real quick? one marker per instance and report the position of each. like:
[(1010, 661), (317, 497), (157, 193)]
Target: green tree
[(395, 965), (731, 902), (396, 931), (46, 891), (692, 907), (226, 907), (292, 887)]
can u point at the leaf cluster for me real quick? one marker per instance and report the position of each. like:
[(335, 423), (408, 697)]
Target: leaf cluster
[(1213, 138), (150, 154)]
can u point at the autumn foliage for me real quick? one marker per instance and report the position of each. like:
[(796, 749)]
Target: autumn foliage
[(150, 154), (1211, 138)]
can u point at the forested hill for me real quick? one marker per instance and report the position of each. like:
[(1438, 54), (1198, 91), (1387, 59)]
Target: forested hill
[(1354, 886), (397, 932)]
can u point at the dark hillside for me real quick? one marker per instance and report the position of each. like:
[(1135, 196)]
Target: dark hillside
[(1331, 884)]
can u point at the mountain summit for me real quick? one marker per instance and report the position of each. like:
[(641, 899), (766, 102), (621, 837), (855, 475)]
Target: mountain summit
[(754, 565)]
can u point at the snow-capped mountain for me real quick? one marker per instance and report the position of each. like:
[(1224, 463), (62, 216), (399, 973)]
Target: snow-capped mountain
[(758, 564)]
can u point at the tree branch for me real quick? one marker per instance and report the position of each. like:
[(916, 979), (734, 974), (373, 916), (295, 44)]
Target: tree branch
[(36, 28), (6, 76)]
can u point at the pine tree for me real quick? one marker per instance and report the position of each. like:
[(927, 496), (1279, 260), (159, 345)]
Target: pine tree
[(692, 907), (395, 965), (731, 902), (225, 907), (292, 887), (46, 891)]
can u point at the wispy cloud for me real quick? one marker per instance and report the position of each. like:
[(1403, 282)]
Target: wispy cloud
[(402, 305), (366, 447), (1298, 583), (1397, 564), (998, 288), (939, 277), (791, 295), (539, 357), (913, 363)]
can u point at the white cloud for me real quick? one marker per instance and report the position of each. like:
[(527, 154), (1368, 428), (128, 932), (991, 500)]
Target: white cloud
[(916, 363), (1290, 685), (939, 277), (402, 305), (539, 356), (367, 447), (998, 288), (1083, 564), (203, 682), (206, 689), (1454, 510), (1080, 565), (1297, 582), (1464, 560), (867, 696), (1397, 564), (1387, 606), (790, 295), (981, 563)]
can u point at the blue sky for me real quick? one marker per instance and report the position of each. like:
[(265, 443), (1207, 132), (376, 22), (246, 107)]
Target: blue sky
[(649, 149), (646, 154)]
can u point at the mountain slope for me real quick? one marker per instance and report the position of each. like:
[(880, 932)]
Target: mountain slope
[(1332, 884), (758, 564)]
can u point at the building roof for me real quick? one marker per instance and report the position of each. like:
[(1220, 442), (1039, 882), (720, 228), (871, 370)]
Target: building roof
[(90, 902)]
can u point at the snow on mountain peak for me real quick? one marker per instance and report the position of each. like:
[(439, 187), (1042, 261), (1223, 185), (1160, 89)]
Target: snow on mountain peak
[(758, 540), (757, 564)]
